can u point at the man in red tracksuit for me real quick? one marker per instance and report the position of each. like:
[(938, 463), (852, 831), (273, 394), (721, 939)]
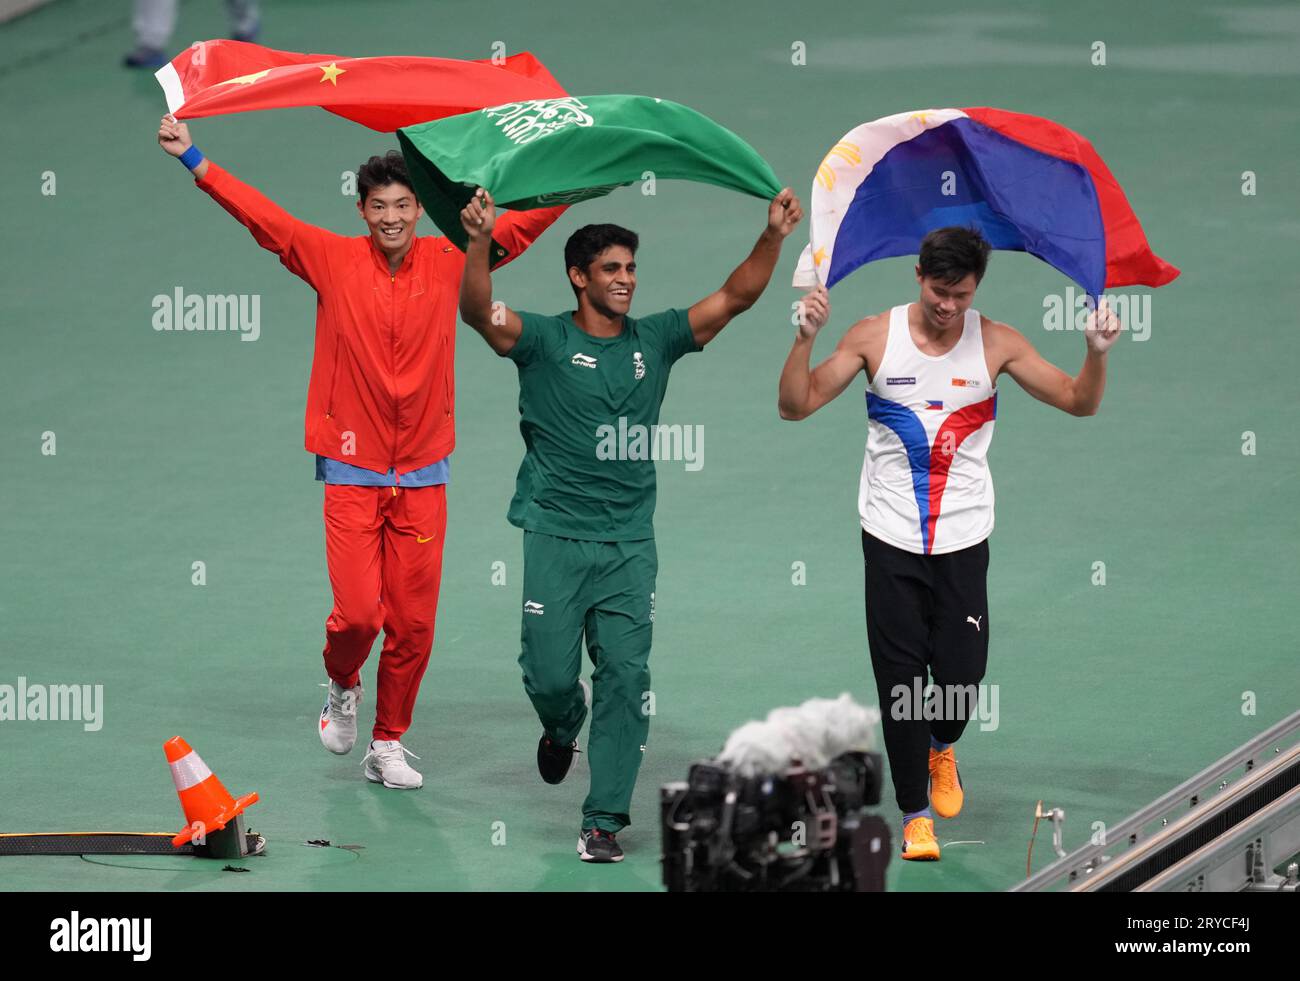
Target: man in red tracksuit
[(380, 419)]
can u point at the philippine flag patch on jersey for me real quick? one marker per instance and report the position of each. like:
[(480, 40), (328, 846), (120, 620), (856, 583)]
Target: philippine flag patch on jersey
[(932, 404)]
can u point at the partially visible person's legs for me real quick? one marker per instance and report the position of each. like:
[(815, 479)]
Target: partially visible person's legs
[(898, 604), (154, 21), (244, 20), (353, 547), (959, 642), (619, 632), (353, 555), (413, 534), (557, 575)]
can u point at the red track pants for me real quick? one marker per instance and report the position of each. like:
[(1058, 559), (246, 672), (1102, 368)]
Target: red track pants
[(383, 546)]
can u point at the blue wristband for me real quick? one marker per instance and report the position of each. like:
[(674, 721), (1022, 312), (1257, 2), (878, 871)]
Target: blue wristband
[(191, 158)]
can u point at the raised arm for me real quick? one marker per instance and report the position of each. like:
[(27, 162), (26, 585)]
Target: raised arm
[(746, 284), (1079, 396), (300, 246), (499, 325), (803, 392)]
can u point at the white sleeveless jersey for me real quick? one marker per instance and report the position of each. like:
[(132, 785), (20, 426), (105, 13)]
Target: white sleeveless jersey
[(926, 486)]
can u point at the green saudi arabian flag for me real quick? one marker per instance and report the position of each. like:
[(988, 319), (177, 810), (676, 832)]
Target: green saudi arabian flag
[(547, 152)]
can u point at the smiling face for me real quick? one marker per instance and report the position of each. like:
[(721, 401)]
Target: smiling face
[(608, 282), (944, 305), (391, 212)]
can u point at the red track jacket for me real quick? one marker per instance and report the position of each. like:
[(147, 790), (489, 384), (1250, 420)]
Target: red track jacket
[(382, 383)]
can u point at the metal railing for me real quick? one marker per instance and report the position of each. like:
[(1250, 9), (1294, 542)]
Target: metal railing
[(1147, 834)]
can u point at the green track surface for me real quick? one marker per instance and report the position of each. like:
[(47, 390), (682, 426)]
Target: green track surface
[(176, 448)]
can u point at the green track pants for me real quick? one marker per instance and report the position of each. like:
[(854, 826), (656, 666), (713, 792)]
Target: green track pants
[(603, 591)]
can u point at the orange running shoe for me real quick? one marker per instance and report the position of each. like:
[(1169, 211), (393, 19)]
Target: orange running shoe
[(919, 842), (945, 783)]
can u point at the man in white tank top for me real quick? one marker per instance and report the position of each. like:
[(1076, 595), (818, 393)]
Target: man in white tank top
[(926, 496)]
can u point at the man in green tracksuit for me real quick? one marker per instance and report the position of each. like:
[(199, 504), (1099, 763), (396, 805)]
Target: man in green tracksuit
[(585, 495)]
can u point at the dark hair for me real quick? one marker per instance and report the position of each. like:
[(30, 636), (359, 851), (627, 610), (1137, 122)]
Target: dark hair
[(380, 172), (589, 241), (953, 253)]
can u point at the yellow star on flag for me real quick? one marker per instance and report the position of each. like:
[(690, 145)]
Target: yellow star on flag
[(331, 73), (920, 117), (819, 256), (246, 79)]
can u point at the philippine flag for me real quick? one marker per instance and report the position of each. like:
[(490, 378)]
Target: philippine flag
[(1027, 183)]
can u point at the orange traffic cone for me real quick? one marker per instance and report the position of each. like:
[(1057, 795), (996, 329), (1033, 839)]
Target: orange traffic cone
[(207, 805)]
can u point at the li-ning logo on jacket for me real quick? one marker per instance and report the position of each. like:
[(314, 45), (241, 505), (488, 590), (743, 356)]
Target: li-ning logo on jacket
[(638, 366), (531, 607), (583, 360)]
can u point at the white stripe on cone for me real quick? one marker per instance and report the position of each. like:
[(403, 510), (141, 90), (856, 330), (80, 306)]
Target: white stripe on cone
[(189, 771)]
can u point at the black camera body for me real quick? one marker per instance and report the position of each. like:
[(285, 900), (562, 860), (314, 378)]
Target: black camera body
[(802, 830)]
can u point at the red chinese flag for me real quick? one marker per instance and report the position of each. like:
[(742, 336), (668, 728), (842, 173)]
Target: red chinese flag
[(211, 78)]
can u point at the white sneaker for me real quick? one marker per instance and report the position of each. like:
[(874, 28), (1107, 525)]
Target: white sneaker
[(338, 718), (386, 764)]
